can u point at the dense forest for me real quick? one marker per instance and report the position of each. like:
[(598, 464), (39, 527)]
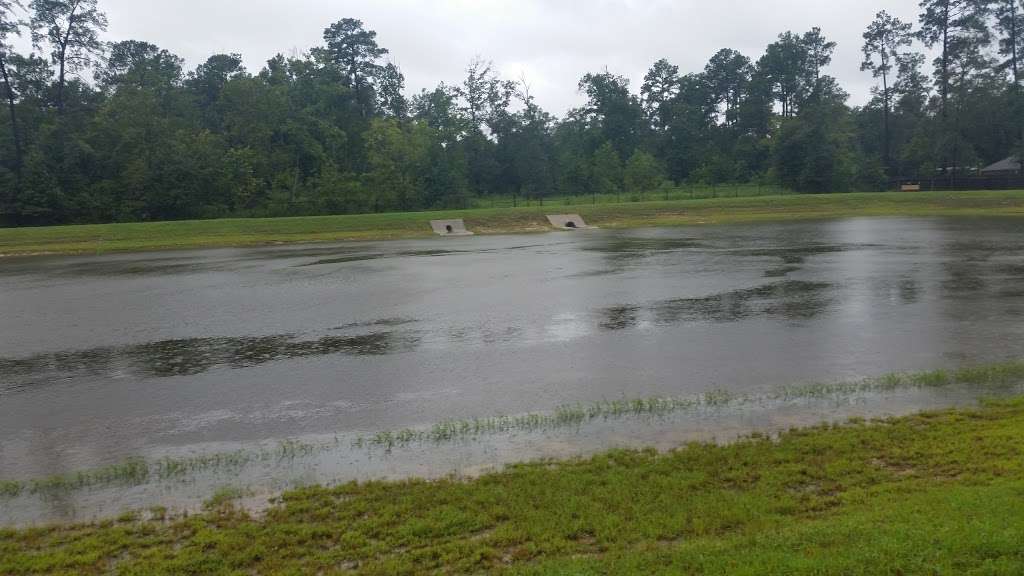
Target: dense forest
[(100, 132)]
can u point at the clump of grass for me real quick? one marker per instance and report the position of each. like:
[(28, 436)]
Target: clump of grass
[(169, 468), (993, 376), (131, 472), (11, 488), (128, 517), (562, 417), (292, 449), (224, 497)]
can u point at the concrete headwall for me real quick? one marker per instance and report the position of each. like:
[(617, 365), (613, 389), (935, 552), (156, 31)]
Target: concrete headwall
[(567, 221), (450, 228)]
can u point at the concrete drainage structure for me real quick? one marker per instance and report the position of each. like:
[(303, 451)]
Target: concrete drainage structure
[(568, 222), (450, 228)]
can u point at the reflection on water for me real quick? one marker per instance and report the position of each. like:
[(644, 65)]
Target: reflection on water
[(385, 322), (379, 255), (193, 356), (634, 245), (790, 300), (800, 254), (982, 278), (781, 272)]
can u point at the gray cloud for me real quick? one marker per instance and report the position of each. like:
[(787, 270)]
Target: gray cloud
[(550, 42)]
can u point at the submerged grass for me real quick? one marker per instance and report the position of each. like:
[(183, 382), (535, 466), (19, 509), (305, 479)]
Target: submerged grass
[(249, 232), (134, 472), (989, 376), (935, 493), (138, 471)]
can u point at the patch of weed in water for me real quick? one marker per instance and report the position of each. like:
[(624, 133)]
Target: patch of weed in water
[(190, 357), (627, 245), (568, 416), (384, 322), (11, 488), (1003, 377), (781, 272), (378, 256), (620, 317), (790, 299), (131, 472), (799, 254), (223, 498), (293, 449)]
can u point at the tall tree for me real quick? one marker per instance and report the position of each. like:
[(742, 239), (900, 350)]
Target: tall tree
[(612, 110), (354, 50), (818, 87), (955, 26), (660, 88), (882, 43), (139, 65), (439, 109), (210, 77), (607, 170), (819, 52), (71, 28), (485, 97), (912, 86), (474, 90), (391, 92), (530, 145), (728, 75), (1010, 22), (784, 66), (10, 26)]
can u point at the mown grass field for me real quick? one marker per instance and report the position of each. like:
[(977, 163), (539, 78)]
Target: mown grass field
[(936, 493), (249, 232)]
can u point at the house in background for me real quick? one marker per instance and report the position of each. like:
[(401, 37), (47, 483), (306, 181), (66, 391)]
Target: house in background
[(1008, 167)]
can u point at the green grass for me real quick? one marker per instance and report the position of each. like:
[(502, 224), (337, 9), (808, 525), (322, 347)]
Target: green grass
[(936, 493), (249, 232), (683, 192)]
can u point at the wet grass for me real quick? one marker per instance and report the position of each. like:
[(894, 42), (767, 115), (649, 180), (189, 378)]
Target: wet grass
[(935, 493), (249, 232), (993, 378), (138, 471)]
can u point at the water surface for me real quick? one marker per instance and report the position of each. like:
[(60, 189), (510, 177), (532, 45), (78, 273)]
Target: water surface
[(108, 357)]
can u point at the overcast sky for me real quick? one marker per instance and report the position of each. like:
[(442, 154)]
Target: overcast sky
[(552, 42)]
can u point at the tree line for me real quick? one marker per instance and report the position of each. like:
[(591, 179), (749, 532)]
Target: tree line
[(121, 131)]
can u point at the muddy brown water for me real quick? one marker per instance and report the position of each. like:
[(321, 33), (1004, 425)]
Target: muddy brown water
[(104, 358)]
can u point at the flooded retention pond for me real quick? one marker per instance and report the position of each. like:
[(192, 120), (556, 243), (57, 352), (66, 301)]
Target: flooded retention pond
[(268, 368)]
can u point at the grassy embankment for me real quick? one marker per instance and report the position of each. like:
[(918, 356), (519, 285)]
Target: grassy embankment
[(937, 493), (248, 232)]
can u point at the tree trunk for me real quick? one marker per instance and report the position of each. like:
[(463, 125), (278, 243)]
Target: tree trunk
[(1017, 101), (62, 77), (885, 123), (14, 117), (60, 86), (1013, 43), (944, 81), (945, 60)]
